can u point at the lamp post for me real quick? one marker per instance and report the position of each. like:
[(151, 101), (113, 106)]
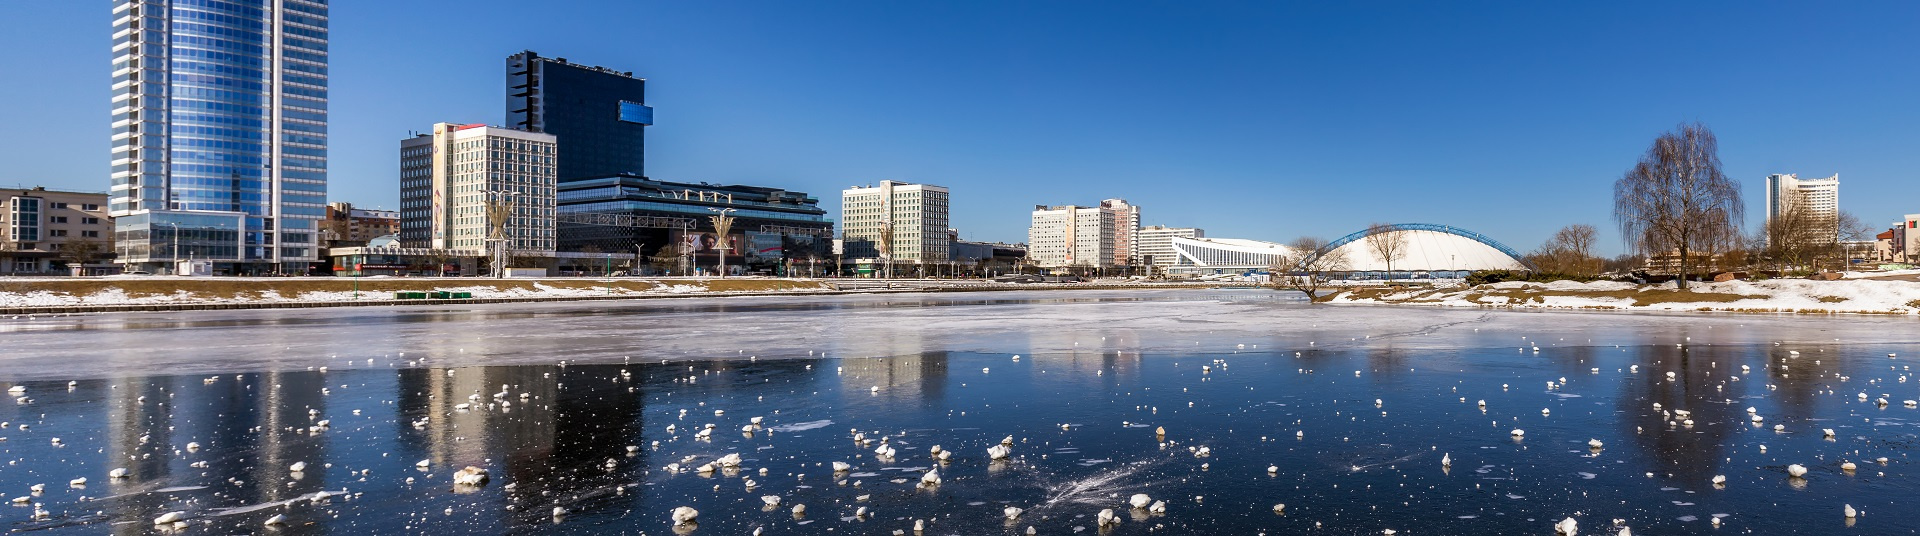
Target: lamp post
[(722, 223), (174, 259)]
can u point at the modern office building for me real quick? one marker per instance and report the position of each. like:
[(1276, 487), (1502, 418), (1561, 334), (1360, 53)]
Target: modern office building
[(345, 223), (598, 114), (459, 179), (1821, 197), (972, 259), (47, 231), (894, 224), (1072, 236), (1156, 244), (670, 225), (219, 141)]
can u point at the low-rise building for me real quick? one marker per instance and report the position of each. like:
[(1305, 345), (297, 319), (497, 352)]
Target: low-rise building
[(347, 225), (976, 259), (671, 226), (53, 232)]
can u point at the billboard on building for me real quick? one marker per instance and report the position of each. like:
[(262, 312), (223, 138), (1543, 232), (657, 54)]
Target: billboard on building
[(764, 247)]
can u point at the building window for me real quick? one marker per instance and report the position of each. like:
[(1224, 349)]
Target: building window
[(89, 206), (90, 234), (56, 219), (56, 232), (59, 205), (90, 221)]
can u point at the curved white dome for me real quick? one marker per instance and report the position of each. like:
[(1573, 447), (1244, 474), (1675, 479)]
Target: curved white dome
[(1428, 250)]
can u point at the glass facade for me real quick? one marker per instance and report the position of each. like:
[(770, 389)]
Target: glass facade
[(168, 236), (221, 106), (773, 231), (598, 115)]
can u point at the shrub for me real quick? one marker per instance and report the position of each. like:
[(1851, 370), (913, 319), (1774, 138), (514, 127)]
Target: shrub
[(1482, 277)]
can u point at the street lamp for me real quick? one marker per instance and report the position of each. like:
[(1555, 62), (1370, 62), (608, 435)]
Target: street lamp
[(175, 258), (722, 223)]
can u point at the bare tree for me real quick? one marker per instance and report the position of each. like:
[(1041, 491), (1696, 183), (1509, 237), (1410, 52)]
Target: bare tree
[(1387, 244), (1851, 232), (1569, 252), (80, 252), (1676, 199), (1307, 266)]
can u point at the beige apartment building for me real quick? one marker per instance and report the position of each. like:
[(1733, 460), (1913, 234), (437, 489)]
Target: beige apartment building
[(1072, 236), (895, 226), (52, 232), (345, 223)]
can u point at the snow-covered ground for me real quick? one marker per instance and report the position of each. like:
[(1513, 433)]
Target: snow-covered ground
[(265, 292), (1851, 295)]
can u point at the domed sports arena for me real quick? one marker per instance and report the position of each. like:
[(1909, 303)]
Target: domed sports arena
[(1431, 250)]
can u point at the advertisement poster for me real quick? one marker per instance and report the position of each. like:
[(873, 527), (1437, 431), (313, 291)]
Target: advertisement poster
[(765, 247)]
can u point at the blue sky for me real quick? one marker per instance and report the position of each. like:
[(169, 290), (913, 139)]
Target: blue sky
[(1260, 120)]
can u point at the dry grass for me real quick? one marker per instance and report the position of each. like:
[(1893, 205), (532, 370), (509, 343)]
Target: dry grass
[(1538, 295), (1830, 299), (230, 289)]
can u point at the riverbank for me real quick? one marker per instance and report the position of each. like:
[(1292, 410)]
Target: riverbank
[(137, 294), (1847, 296)]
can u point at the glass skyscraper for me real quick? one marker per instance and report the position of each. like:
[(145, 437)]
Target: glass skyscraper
[(598, 114), (219, 133)]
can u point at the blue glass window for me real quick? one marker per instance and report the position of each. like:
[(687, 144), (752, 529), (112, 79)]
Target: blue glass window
[(634, 112)]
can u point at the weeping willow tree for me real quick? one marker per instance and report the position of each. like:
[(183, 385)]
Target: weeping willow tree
[(1676, 199)]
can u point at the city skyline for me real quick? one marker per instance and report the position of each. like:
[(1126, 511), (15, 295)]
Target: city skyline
[(1414, 114)]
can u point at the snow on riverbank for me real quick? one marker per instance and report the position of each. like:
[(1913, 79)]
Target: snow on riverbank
[(1773, 295), (168, 291)]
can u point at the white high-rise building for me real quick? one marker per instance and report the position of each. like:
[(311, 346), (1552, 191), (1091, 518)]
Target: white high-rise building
[(452, 176), (1156, 244), (1106, 236), (895, 223), (1822, 196)]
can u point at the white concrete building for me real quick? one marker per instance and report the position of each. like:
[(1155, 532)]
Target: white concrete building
[(894, 223), (1156, 244), (452, 176), (1203, 256), (1072, 236), (1911, 237), (1822, 196)]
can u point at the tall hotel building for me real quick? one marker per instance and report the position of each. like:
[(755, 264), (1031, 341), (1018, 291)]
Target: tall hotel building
[(1821, 197), (1105, 236), (895, 223), (598, 114), (450, 178), (219, 133)]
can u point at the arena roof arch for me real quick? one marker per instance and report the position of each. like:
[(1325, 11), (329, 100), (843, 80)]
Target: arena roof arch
[(1430, 247)]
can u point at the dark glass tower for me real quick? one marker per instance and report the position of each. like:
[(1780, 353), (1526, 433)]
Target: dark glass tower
[(599, 115)]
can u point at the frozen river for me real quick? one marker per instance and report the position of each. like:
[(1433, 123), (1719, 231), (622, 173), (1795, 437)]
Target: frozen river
[(1342, 414)]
